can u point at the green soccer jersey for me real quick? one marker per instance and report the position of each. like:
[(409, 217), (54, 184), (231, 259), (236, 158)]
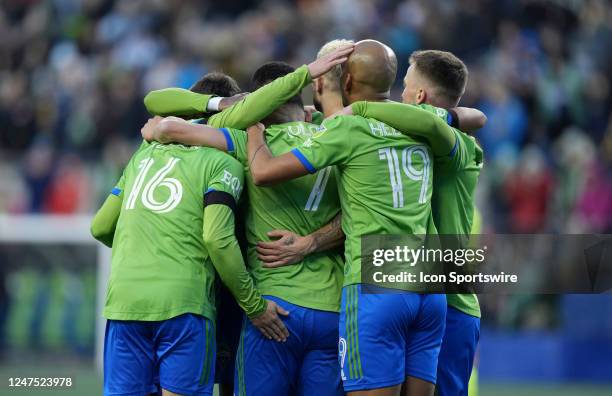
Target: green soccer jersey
[(241, 115), (302, 206), (385, 179), (454, 182), (161, 266)]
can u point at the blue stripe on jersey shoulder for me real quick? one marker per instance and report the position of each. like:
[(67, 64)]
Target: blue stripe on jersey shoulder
[(209, 190), (228, 139), (304, 161), (116, 191), (449, 118), (455, 147)]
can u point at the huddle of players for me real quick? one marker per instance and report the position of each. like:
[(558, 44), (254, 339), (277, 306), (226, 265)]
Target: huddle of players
[(375, 167)]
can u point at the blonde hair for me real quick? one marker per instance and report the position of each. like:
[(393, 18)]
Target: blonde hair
[(336, 72)]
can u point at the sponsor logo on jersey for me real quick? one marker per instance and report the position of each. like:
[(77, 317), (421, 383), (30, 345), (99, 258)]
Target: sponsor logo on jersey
[(232, 182)]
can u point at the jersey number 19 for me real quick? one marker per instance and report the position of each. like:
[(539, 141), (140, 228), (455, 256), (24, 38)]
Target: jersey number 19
[(395, 171)]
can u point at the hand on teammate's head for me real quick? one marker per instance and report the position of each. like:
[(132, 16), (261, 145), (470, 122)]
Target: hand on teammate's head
[(325, 63)]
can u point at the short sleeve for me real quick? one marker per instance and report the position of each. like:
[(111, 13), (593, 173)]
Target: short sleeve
[(236, 143), (119, 187), (329, 145), (438, 111), (227, 176), (458, 157)]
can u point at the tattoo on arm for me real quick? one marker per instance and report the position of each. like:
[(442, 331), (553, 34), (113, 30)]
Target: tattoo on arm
[(329, 236), (255, 154)]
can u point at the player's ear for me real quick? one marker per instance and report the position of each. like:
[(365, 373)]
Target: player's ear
[(421, 96), (318, 85), (348, 83)]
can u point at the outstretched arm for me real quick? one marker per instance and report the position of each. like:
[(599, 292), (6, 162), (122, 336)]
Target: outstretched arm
[(185, 103), (411, 120), (291, 248), (266, 169), (176, 130), (261, 103), (177, 102), (424, 120)]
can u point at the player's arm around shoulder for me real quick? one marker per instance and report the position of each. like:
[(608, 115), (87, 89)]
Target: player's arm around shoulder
[(265, 168), (330, 145), (262, 102), (425, 122), (177, 130), (176, 102)]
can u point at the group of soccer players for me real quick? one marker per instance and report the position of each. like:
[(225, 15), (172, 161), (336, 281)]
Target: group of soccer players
[(298, 185)]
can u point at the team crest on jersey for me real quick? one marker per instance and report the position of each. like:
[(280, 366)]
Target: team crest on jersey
[(296, 130), (440, 112), (319, 131), (308, 142)]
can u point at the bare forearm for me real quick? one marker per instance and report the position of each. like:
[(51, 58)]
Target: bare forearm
[(327, 237), (171, 131), (265, 168), (470, 119)]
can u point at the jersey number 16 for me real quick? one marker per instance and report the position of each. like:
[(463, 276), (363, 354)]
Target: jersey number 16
[(158, 180)]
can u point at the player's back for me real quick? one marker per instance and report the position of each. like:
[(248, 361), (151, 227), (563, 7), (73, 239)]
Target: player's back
[(385, 181), (302, 206), (455, 183), (453, 207), (160, 266)]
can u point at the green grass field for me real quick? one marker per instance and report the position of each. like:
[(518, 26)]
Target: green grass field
[(87, 382)]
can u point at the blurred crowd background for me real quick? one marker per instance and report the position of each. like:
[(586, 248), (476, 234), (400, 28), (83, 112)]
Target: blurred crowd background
[(73, 74)]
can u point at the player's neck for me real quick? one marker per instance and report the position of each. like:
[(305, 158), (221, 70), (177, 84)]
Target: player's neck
[(331, 104), (284, 114), (369, 96)]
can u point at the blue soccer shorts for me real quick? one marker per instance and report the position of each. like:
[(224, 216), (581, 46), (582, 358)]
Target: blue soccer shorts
[(306, 364), (387, 336), (177, 354), (457, 353)]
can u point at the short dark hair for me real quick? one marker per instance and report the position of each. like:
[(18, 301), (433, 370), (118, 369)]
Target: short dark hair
[(443, 69), (269, 72), (216, 83)]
